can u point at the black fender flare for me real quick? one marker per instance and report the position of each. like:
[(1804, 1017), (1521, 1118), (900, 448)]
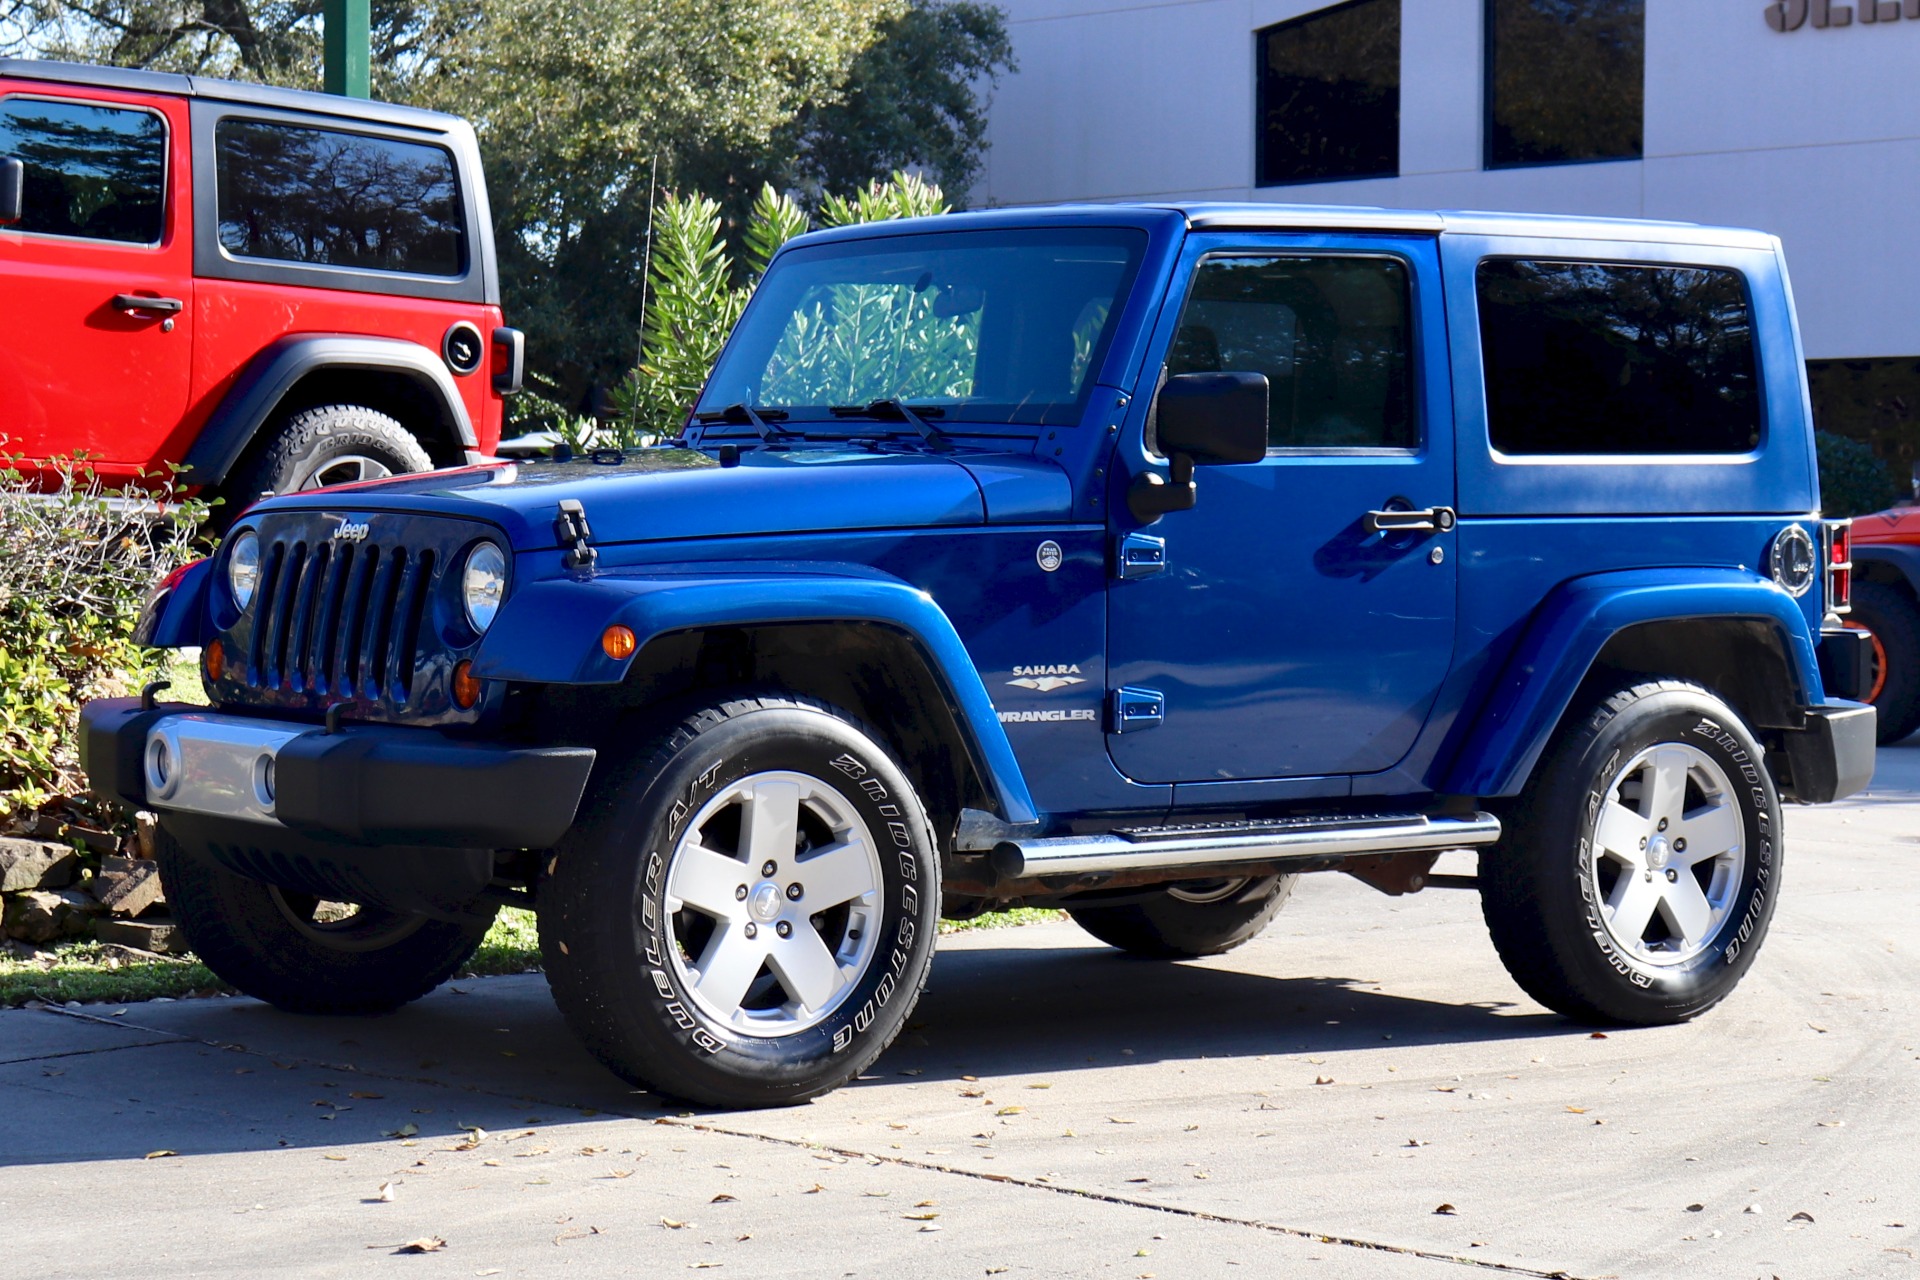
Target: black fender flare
[(1903, 560), (275, 371)]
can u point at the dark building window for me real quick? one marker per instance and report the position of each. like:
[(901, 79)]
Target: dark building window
[(98, 173), (1565, 80), (1598, 358), (338, 199), (1329, 95)]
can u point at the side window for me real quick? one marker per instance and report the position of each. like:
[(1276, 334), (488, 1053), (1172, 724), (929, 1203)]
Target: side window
[(1333, 335), (98, 173), (299, 194), (1601, 358)]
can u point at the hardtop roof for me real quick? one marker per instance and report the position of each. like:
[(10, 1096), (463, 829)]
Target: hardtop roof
[(136, 81), (1262, 216)]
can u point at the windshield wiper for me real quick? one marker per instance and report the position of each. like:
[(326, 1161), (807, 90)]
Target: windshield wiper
[(745, 415), (899, 411)]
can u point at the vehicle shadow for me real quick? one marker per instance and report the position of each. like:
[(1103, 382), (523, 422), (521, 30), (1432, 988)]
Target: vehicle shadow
[(234, 1075)]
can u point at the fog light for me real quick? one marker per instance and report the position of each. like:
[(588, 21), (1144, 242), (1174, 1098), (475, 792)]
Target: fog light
[(618, 642), (466, 685), (214, 658)]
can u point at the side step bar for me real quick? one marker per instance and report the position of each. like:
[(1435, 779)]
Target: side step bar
[(1161, 848)]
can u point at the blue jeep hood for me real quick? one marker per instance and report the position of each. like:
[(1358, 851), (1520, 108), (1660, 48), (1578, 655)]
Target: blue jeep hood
[(655, 495)]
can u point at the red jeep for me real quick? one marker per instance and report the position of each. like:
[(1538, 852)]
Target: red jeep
[(281, 290)]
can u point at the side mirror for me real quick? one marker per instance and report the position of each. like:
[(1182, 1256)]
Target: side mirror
[(1204, 420), (13, 191)]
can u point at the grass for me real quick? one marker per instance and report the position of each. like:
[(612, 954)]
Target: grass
[(93, 972)]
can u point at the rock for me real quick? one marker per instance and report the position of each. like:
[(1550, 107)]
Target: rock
[(101, 842), (159, 935), (127, 886), (44, 915), (146, 833), (35, 864)]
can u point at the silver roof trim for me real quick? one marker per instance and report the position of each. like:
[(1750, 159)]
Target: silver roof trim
[(1542, 226)]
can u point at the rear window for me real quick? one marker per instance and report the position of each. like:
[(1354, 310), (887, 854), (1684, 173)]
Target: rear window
[(95, 173), (293, 193), (1609, 359)]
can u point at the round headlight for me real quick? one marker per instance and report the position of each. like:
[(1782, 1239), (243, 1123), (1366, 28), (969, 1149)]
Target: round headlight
[(483, 584), (243, 568)]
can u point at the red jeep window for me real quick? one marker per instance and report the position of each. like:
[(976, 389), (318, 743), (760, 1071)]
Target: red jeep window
[(300, 194), (94, 172)]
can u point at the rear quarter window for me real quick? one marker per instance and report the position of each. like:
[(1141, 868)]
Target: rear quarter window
[(1614, 359), (326, 197)]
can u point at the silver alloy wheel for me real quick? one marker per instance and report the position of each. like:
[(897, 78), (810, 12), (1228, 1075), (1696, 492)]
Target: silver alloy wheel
[(342, 926), (347, 468), (1669, 853), (774, 896), (1207, 890)]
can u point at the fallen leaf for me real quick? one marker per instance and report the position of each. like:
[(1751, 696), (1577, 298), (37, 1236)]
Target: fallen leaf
[(673, 1224), (877, 1195), (367, 1096), (970, 1078), (932, 1226), (973, 1093), (385, 1194), (407, 1130), (919, 1217), (1579, 1111), (159, 1155), (1753, 1208), (814, 1190), (425, 1244), (1598, 1035), (333, 1157), (1830, 1124), (1802, 1216), (1696, 1208), (1418, 1142), (723, 1198), (1323, 1079), (1446, 1209), (1118, 1120), (1814, 1026), (1005, 1111), (1042, 1085)]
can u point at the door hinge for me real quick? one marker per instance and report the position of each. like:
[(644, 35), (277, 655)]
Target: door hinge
[(1136, 709), (1139, 555)]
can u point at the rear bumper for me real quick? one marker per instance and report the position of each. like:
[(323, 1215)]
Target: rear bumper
[(365, 785), (1832, 757)]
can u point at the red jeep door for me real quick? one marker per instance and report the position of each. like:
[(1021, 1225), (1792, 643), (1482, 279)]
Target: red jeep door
[(83, 364)]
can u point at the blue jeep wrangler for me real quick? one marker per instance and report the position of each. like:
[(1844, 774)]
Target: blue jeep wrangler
[(1126, 560)]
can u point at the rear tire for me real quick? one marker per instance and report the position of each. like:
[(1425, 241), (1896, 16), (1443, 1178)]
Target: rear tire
[(325, 446), (1596, 903), (276, 945), (746, 911), (1893, 619), (1200, 918)]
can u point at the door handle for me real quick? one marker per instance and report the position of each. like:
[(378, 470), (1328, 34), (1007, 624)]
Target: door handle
[(1431, 520), (133, 303)]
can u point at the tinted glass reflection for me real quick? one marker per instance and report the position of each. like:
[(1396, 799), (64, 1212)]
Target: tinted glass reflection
[(94, 172), (1565, 80), (1331, 334), (1593, 358), (1329, 95), (340, 199)]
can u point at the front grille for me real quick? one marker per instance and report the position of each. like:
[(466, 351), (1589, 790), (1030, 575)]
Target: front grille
[(370, 623), (340, 619)]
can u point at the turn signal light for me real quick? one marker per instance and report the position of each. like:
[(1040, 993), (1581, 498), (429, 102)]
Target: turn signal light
[(214, 656), (618, 642), (466, 685)]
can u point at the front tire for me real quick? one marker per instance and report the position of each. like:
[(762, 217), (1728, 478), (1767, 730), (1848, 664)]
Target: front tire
[(1201, 918), (1642, 864), (747, 912), (1889, 615), (298, 955)]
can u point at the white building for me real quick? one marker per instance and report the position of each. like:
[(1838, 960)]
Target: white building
[(1801, 118)]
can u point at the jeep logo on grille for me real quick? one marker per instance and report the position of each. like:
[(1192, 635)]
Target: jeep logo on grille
[(351, 532)]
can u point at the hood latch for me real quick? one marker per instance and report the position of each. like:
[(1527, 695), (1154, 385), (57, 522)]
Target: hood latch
[(570, 527)]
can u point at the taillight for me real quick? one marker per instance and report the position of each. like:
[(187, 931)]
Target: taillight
[(1836, 537)]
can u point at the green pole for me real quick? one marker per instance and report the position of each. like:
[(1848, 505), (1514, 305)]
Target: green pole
[(347, 45)]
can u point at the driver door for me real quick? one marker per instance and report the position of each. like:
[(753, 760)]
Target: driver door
[(1284, 637)]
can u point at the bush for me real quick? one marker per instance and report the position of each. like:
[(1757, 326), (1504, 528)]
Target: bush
[(1853, 481), (72, 578)]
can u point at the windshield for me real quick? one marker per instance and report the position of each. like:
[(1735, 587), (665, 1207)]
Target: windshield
[(985, 326)]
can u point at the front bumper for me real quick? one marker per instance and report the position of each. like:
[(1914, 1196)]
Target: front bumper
[(364, 785), (1832, 757)]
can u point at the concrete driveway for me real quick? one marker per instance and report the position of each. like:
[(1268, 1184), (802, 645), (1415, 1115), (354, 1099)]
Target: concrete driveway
[(1361, 1092)]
